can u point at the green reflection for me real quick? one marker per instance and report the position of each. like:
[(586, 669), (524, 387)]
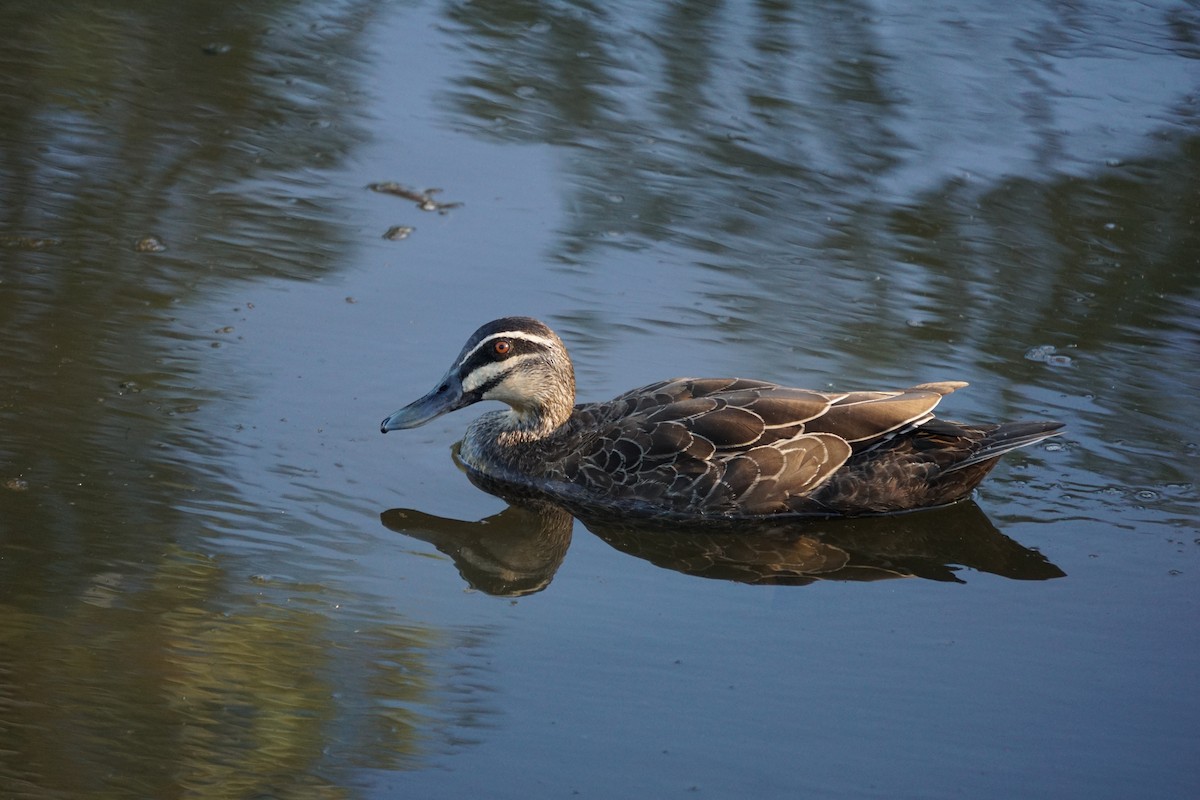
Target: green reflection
[(133, 663), (183, 686)]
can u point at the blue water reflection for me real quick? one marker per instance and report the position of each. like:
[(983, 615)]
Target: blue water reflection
[(197, 597)]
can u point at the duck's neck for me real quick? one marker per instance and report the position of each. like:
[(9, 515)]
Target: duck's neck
[(526, 425), (529, 431), (539, 403), (507, 443)]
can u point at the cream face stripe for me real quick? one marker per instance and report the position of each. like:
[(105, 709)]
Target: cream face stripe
[(481, 376)]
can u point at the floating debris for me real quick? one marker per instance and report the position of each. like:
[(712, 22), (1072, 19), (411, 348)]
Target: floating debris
[(149, 244), (16, 485), (1047, 354), (423, 199), (29, 242), (216, 48), (398, 232)]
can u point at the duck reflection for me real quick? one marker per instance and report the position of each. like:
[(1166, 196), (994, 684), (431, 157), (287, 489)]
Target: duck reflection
[(517, 551), (510, 554)]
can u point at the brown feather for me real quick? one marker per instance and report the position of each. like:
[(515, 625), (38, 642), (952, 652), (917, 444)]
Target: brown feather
[(871, 419)]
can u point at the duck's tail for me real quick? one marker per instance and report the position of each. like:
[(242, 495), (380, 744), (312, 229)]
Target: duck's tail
[(1006, 437)]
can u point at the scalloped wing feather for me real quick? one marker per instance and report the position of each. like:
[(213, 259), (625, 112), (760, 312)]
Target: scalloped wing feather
[(794, 468), (718, 444)]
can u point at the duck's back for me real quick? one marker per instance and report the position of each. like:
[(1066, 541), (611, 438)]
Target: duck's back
[(735, 447)]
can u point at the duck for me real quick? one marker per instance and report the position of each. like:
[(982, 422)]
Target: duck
[(706, 448)]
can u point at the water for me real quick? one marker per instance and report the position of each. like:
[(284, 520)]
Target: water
[(218, 580)]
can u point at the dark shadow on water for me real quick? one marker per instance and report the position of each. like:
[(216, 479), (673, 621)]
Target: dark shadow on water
[(518, 551)]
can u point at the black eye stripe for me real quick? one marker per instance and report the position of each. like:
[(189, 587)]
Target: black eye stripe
[(488, 355), (520, 346)]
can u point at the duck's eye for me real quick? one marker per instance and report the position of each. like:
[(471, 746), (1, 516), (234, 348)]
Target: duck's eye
[(502, 348)]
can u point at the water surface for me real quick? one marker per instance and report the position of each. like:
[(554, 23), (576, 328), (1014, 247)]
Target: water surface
[(218, 580)]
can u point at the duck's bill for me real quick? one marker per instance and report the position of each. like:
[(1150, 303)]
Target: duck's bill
[(447, 397)]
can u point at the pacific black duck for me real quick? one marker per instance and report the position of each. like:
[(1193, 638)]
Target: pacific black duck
[(707, 447)]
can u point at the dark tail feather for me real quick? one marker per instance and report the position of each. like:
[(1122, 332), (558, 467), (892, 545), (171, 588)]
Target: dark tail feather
[(1009, 436)]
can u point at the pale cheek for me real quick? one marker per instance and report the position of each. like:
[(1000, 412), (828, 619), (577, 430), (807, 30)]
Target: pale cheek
[(516, 390)]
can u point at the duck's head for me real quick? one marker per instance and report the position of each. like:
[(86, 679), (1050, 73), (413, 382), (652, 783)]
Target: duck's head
[(516, 360)]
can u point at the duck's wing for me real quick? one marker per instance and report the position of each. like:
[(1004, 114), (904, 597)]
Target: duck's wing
[(867, 419), (733, 445)]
